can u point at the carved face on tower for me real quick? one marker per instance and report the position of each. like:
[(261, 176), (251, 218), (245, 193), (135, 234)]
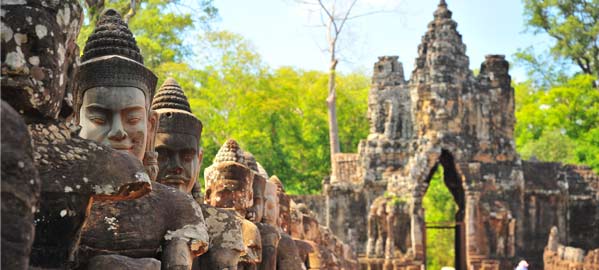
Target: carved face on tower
[(177, 138), (38, 55), (228, 180), (114, 89)]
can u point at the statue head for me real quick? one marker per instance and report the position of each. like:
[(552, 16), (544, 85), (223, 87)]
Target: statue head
[(256, 212), (177, 138), (228, 180), (271, 204), (296, 227), (284, 201), (39, 56), (311, 228), (114, 89)]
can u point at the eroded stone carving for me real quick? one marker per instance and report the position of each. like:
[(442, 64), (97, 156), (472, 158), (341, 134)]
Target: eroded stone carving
[(229, 184), (177, 139), (114, 91), (20, 190), (73, 172)]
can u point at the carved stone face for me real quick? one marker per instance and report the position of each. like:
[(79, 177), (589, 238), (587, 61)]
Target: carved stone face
[(229, 185), (284, 216), (296, 227), (38, 54), (311, 229), (256, 212), (271, 204), (118, 117), (179, 160)]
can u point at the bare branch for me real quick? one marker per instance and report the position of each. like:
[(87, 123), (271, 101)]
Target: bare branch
[(346, 15), (369, 13)]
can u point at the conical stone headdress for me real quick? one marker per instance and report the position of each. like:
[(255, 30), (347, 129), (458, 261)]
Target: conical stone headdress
[(230, 151), (111, 58), (174, 112)]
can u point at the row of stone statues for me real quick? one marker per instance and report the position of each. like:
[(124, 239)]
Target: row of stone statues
[(100, 172)]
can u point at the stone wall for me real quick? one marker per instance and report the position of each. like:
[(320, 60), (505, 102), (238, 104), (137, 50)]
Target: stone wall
[(560, 257), (559, 195), (316, 203)]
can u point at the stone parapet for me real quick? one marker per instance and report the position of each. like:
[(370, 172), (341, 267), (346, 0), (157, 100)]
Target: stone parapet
[(346, 167)]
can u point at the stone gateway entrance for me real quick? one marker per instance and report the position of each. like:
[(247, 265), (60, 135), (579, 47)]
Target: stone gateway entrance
[(453, 182), (445, 115)]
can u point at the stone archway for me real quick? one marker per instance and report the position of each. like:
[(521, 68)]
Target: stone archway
[(453, 182)]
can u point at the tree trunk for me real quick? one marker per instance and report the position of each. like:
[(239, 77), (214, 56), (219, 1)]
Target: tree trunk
[(333, 129)]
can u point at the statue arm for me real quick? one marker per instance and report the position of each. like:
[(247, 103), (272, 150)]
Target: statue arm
[(177, 255)]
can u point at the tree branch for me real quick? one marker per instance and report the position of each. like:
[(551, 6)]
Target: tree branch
[(353, 3)]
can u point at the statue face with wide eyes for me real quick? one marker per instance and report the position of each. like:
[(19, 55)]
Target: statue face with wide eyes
[(179, 159), (118, 117)]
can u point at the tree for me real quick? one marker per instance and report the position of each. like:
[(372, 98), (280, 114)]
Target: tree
[(335, 20), (574, 25), (439, 206), (559, 124), (271, 113), (334, 17), (543, 70)]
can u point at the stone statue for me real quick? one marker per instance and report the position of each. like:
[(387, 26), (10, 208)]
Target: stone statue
[(268, 227), (256, 212), (287, 253), (296, 230), (179, 160), (312, 237), (229, 184), (377, 232), (73, 172), (553, 241), (388, 231), (226, 239), (177, 139), (20, 190), (268, 230), (114, 91)]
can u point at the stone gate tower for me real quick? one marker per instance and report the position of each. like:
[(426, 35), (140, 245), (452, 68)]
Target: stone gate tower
[(445, 115)]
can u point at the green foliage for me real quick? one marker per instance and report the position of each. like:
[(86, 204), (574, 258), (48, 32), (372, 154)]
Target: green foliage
[(574, 26), (560, 124), (394, 199), (543, 70), (439, 207), (279, 116)]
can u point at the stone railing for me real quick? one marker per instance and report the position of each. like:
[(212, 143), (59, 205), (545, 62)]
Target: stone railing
[(560, 257), (345, 167), (570, 258)]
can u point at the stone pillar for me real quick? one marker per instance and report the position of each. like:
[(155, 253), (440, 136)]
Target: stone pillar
[(417, 228), (471, 221)]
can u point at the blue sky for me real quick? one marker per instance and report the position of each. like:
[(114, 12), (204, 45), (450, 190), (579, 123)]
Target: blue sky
[(283, 31)]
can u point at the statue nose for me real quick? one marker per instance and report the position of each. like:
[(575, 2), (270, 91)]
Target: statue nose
[(117, 133)]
